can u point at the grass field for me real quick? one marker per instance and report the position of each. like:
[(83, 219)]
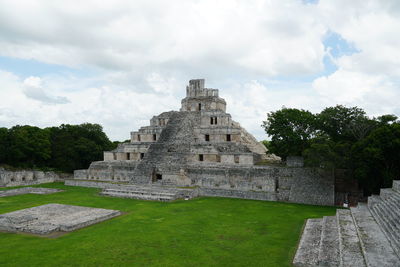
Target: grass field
[(199, 232)]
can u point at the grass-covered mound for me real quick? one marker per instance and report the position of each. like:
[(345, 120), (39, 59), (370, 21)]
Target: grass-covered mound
[(199, 232)]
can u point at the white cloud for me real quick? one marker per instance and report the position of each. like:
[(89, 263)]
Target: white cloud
[(119, 111), (372, 26), (142, 53), (34, 90), (265, 37), (375, 93), (369, 78)]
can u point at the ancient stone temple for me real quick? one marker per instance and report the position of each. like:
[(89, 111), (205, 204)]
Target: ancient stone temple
[(201, 146)]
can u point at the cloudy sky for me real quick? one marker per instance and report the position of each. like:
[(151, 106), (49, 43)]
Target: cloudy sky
[(118, 63)]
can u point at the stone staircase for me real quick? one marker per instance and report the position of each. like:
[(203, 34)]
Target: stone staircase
[(368, 235), (171, 147), (155, 193)]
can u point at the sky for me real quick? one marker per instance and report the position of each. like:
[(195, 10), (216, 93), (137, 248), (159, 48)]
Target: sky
[(120, 62)]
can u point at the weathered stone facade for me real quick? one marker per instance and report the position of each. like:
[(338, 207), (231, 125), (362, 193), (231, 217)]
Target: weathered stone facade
[(202, 146), (27, 177)]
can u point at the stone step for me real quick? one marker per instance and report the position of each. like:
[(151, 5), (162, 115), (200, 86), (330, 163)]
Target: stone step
[(385, 217), (308, 250), (387, 193), (395, 197), (139, 196), (150, 188), (373, 200), (166, 189), (390, 234), (396, 185), (329, 245), (390, 227), (349, 244), (374, 244), (392, 211), (139, 192)]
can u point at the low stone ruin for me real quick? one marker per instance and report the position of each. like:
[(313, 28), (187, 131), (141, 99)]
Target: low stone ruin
[(368, 235), (50, 218), (28, 190), (28, 177)]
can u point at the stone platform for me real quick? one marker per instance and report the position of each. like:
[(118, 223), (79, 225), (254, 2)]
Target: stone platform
[(50, 218), (28, 190)]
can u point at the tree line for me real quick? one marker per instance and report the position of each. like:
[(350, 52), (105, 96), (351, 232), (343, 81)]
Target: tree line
[(64, 148), (339, 137)]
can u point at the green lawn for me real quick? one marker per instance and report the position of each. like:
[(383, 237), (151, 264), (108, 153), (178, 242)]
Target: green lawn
[(199, 232)]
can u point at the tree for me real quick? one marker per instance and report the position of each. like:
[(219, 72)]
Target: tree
[(343, 124), (76, 146), (377, 158), (4, 145), (29, 146), (320, 153), (290, 130), (386, 119)]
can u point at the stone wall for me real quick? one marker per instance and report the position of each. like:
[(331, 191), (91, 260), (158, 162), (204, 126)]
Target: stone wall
[(294, 161), (28, 177), (107, 171), (298, 185)]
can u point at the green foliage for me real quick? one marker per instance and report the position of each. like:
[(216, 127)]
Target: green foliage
[(76, 146), (340, 137), (341, 123), (377, 158), (320, 153), (27, 146), (386, 119), (64, 148), (199, 232), (291, 130), (4, 144)]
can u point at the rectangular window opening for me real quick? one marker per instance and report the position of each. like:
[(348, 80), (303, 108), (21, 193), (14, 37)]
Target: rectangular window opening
[(201, 157), (141, 155), (154, 137), (207, 137), (128, 156), (159, 176), (138, 137), (199, 106), (228, 137)]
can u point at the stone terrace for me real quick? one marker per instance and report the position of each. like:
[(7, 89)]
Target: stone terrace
[(50, 218), (367, 235)]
